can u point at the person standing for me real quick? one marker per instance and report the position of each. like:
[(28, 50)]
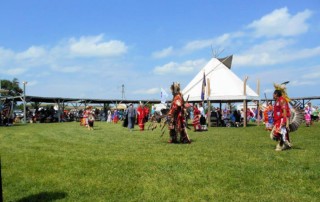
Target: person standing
[(109, 118), (176, 116), (86, 113), (91, 119), (115, 116), (146, 113), (281, 121), (268, 116), (196, 118), (141, 116), (153, 109), (131, 114), (307, 114), (201, 109)]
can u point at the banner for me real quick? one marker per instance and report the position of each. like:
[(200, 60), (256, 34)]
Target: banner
[(163, 96), (203, 90)]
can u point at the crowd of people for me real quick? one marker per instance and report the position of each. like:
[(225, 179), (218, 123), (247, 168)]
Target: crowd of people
[(311, 114), (276, 116)]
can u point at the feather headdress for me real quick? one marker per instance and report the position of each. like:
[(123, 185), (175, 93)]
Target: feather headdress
[(175, 87), (282, 87)]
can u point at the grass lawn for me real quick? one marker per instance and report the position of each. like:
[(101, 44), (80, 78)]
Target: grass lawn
[(66, 162)]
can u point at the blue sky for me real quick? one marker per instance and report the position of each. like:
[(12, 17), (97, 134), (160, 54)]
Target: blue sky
[(89, 49)]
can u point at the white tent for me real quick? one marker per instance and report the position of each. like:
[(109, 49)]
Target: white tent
[(224, 85)]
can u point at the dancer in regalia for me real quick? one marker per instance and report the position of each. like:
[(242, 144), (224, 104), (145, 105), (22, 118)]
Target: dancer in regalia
[(176, 116), (281, 116)]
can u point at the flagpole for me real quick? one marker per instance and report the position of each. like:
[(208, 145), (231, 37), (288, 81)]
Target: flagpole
[(203, 89), (208, 102), (245, 101)]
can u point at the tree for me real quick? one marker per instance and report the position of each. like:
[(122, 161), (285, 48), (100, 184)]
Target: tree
[(12, 86)]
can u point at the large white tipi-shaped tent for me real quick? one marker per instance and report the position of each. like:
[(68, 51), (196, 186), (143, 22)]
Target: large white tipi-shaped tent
[(225, 86)]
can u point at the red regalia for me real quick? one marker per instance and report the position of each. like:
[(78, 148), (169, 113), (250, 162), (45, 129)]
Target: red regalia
[(141, 116), (268, 119), (196, 119), (176, 116), (281, 116), (146, 113)]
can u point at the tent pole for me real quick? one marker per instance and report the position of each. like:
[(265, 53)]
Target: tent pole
[(258, 111), (244, 113), (258, 104), (208, 102), (245, 102), (209, 114)]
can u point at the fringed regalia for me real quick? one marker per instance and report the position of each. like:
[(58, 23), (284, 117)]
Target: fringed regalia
[(177, 121), (141, 116), (196, 119), (281, 116)]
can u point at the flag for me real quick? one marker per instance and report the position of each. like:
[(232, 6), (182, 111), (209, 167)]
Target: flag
[(163, 96), (203, 90)]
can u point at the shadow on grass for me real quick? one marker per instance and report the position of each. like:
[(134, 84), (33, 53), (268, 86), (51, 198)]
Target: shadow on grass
[(96, 128), (298, 148), (44, 197), (16, 124), (293, 148)]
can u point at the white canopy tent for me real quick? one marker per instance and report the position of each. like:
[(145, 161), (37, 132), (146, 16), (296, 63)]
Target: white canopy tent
[(225, 86)]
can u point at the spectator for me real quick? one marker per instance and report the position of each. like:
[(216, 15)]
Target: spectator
[(115, 116), (141, 116), (109, 116), (196, 118), (131, 114)]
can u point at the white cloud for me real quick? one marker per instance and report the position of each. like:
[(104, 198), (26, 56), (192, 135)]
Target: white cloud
[(5, 57), (183, 68), (5, 53), (281, 23), (201, 44), (31, 53), (66, 69), (302, 83), (266, 53), (15, 71), (312, 76), (61, 57), (273, 52), (147, 91), (307, 53), (196, 45), (94, 46), (313, 73), (163, 53), (167, 68)]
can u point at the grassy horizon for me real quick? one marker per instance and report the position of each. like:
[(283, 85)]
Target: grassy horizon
[(66, 162)]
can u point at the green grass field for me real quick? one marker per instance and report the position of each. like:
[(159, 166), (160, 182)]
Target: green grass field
[(66, 162)]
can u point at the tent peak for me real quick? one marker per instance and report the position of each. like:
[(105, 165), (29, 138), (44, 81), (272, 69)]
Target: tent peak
[(227, 61)]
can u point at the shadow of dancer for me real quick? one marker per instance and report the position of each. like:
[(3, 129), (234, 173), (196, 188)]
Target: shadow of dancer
[(44, 197)]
